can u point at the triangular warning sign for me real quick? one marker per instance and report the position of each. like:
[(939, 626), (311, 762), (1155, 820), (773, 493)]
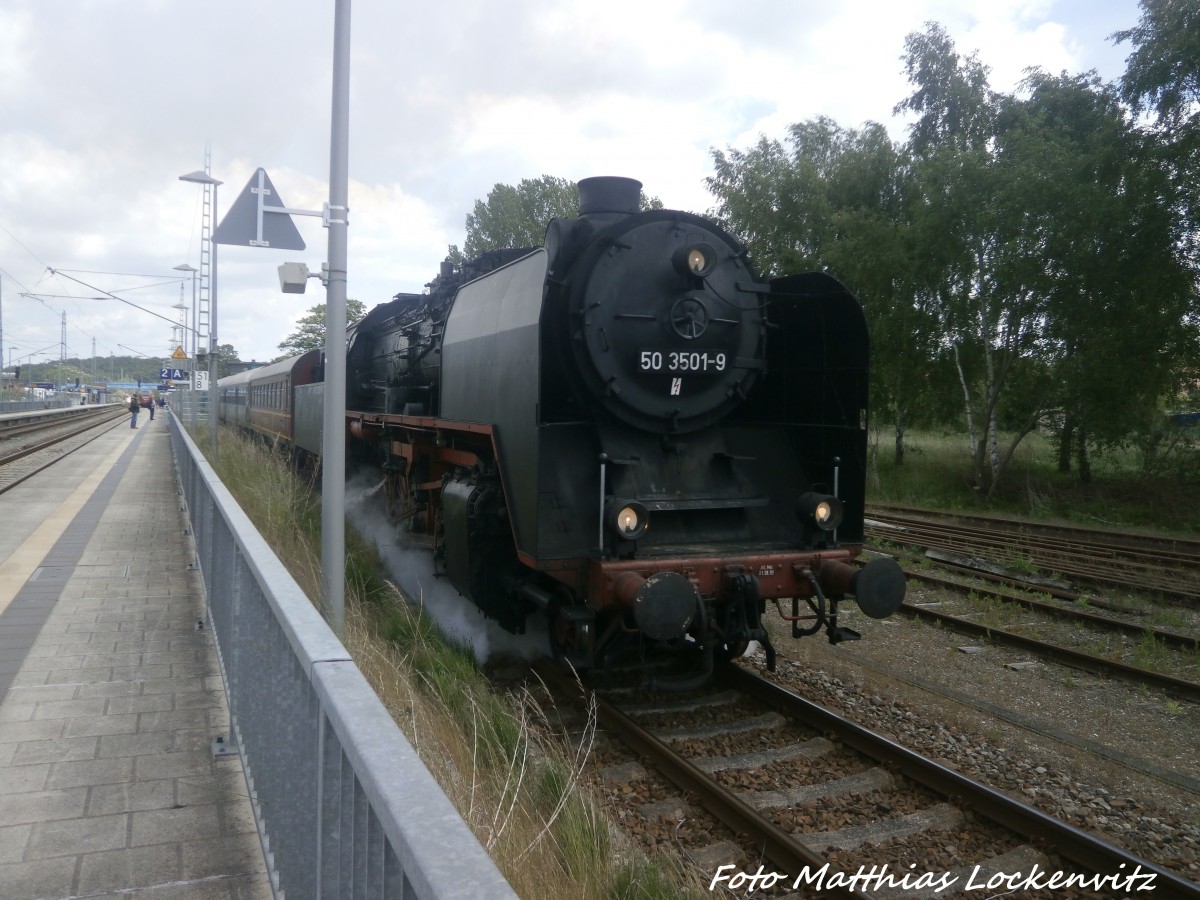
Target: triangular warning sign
[(178, 354), (256, 218)]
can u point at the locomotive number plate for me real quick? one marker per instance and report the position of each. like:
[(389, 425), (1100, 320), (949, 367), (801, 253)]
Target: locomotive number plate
[(682, 361)]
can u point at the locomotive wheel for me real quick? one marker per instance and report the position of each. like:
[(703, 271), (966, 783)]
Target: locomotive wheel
[(727, 652), (564, 638), (569, 645), (401, 504), (395, 496)]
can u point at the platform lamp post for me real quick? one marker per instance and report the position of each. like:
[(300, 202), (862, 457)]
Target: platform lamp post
[(293, 277), (192, 399), (202, 177), (333, 473)]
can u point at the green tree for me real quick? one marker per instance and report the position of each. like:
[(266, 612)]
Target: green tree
[(963, 226), (873, 251), (517, 216), (1162, 76), (1163, 72), (226, 354), (836, 199), (1035, 245), (774, 198), (1056, 263), (1117, 286), (310, 331)]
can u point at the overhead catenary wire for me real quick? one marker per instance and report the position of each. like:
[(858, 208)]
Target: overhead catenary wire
[(112, 295)]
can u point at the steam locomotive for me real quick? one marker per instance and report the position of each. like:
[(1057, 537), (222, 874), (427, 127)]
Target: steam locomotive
[(626, 430)]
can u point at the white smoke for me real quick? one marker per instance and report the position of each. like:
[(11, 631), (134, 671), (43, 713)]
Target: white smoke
[(411, 567)]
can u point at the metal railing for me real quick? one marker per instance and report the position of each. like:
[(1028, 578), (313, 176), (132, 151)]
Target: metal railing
[(345, 807), (191, 407)]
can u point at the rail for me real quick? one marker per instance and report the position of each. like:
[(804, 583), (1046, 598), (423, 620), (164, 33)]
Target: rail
[(344, 806)]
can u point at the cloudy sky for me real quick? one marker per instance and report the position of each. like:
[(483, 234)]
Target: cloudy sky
[(104, 103)]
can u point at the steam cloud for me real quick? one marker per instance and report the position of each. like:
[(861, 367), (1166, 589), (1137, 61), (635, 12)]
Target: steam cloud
[(411, 567)]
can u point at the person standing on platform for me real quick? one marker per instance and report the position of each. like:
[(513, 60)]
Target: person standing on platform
[(134, 406), (150, 406)]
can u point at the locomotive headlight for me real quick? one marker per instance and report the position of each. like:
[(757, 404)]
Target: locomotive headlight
[(823, 510), (695, 259), (627, 519)]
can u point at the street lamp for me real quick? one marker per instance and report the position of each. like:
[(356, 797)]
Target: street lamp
[(333, 477), (202, 177), (192, 399)]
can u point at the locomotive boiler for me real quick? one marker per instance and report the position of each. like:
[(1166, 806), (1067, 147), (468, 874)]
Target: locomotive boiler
[(629, 431)]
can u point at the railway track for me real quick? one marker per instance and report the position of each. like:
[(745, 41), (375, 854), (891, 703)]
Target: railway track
[(29, 449), (1141, 654), (16, 424), (1125, 561), (1136, 630), (1074, 633), (809, 800), (1098, 664)]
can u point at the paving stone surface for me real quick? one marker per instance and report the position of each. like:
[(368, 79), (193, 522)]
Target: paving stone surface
[(109, 695)]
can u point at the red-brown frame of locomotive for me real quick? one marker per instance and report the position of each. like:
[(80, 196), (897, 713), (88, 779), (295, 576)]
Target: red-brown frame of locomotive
[(780, 575)]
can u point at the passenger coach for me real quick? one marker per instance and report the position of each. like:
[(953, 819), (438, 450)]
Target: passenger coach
[(261, 399)]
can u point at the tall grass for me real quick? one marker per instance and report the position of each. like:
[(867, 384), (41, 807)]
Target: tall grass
[(937, 473), (519, 787)]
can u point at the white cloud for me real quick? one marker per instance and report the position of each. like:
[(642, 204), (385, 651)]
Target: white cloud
[(103, 104), (15, 61)]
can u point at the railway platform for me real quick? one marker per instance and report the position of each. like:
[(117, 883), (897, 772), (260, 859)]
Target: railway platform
[(113, 778)]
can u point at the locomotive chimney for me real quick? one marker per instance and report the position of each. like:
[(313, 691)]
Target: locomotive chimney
[(608, 198), (602, 201)]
